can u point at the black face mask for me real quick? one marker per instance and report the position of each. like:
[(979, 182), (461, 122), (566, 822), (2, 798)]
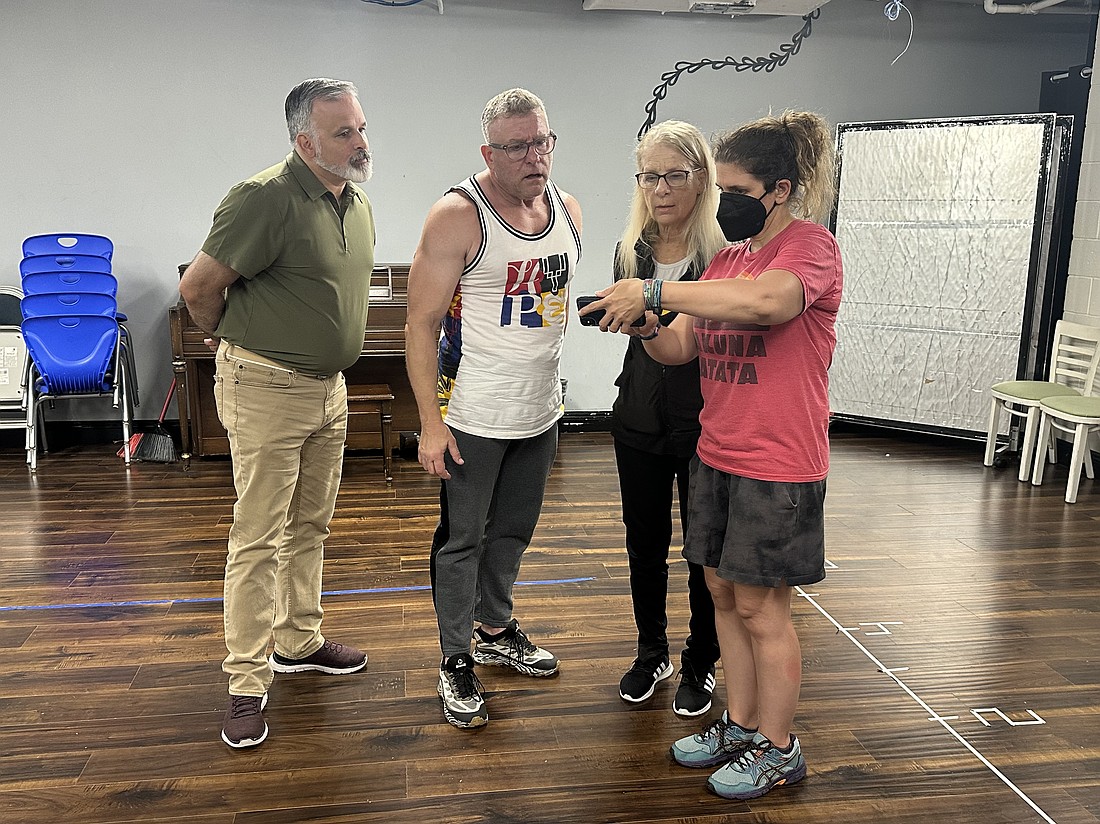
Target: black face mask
[(740, 216)]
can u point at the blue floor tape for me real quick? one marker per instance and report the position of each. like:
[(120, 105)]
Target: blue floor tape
[(163, 601)]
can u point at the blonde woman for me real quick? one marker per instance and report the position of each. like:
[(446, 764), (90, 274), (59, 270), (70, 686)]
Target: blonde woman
[(672, 234)]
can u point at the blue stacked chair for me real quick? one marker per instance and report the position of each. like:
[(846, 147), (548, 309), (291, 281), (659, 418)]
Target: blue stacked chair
[(75, 335), (70, 243), (64, 263), (52, 283), (58, 304)]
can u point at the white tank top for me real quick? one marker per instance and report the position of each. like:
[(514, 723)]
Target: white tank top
[(502, 336)]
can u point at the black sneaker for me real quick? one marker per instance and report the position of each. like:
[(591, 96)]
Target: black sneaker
[(693, 694), (642, 677), (460, 690)]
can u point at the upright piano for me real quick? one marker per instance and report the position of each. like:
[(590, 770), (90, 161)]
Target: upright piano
[(381, 361)]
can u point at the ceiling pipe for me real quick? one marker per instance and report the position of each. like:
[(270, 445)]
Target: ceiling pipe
[(992, 7)]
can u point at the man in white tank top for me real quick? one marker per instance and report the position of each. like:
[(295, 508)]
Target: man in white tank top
[(492, 270)]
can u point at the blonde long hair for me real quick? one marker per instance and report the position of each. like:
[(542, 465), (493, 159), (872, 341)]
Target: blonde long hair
[(795, 146), (704, 236)]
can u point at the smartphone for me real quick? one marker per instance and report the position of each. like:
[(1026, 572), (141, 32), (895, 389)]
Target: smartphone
[(594, 318)]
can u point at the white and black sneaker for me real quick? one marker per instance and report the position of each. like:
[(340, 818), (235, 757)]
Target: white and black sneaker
[(512, 648), (642, 677), (693, 696), (460, 690)]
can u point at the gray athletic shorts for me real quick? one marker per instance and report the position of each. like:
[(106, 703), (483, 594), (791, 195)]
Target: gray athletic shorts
[(763, 533)]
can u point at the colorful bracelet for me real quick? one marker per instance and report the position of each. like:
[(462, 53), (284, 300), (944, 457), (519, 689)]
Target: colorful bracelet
[(651, 294)]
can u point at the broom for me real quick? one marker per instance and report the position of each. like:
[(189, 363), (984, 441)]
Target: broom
[(156, 446)]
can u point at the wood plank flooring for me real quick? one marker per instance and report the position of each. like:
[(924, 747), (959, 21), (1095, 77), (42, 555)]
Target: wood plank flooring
[(951, 657)]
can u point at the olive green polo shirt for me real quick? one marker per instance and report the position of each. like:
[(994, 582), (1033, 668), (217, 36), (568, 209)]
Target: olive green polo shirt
[(304, 262)]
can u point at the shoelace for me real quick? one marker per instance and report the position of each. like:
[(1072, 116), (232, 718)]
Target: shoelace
[(519, 644), (242, 708), (687, 674), (717, 728), (650, 666), (466, 683), (721, 730), (752, 754)]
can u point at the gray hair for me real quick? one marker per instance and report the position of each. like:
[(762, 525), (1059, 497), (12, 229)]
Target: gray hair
[(512, 103), (299, 103)]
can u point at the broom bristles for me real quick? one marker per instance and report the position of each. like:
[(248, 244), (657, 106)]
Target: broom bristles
[(157, 447)]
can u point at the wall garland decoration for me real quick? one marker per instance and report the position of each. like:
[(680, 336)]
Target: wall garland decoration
[(755, 64)]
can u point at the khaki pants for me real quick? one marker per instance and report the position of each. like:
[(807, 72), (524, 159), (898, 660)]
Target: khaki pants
[(286, 436)]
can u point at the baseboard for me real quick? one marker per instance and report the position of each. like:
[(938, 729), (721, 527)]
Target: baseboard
[(76, 433), (62, 434)]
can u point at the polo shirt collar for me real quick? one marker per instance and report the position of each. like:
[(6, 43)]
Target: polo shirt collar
[(311, 184)]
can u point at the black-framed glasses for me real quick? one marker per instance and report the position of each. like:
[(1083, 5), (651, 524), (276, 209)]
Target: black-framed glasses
[(542, 145), (676, 179)]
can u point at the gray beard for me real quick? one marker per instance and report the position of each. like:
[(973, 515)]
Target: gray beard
[(348, 171)]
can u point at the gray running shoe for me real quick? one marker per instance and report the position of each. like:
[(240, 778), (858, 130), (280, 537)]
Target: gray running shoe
[(719, 743), (760, 768)]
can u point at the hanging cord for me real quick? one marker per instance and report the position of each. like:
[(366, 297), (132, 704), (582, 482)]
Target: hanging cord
[(394, 2), (893, 11)]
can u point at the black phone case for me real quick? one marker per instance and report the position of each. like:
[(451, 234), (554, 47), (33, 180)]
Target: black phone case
[(594, 318)]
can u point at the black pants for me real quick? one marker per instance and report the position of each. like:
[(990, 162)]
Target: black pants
[(645, 484), (488, 511)]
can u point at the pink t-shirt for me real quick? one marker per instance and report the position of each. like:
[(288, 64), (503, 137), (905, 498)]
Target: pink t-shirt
[(766, 388)]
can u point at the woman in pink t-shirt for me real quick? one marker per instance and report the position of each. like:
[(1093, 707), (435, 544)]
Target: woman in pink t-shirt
[(761, 321)]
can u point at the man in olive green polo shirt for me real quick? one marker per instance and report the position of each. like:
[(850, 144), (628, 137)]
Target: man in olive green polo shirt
[(282, 284)]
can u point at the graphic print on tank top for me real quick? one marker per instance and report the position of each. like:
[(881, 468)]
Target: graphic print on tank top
[(534, 294)]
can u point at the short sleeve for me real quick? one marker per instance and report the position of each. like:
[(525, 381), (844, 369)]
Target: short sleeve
[(247, 233), (814, 258)]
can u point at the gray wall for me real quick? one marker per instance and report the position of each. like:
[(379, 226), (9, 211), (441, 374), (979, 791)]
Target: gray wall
[(131, 118)]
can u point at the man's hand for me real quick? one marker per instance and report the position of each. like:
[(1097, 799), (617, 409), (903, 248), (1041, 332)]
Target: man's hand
[(435, 442)]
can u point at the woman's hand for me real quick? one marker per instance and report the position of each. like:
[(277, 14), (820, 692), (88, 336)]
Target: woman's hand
[(622, 303), (648, 332)]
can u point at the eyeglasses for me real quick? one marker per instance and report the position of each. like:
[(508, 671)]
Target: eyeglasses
[(676, 179), (518, 151)]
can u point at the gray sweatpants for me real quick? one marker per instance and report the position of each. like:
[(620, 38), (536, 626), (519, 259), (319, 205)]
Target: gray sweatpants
[(488, 512)]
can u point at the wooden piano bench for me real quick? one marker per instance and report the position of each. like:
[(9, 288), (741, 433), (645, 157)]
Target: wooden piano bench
[(373, 399)]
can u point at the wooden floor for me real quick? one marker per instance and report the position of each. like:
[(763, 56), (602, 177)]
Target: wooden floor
[(951, 658)]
